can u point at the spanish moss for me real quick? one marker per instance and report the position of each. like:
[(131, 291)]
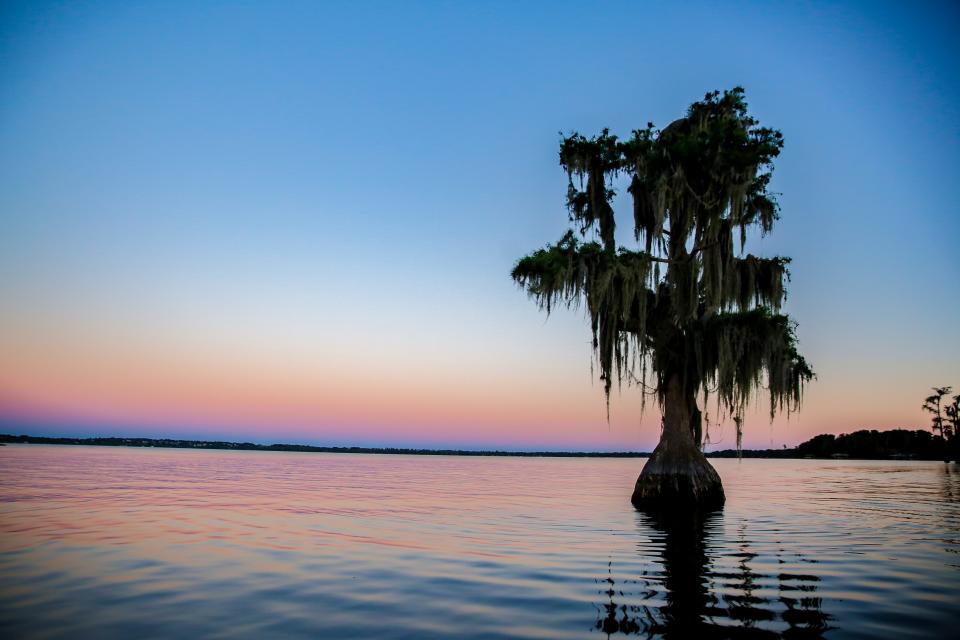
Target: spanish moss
[(686, 305)]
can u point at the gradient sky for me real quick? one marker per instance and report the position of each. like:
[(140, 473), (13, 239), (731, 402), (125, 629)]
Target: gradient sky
[(295, 221)]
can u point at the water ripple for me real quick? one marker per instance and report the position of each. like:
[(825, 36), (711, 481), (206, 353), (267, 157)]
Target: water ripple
[(103, 542)]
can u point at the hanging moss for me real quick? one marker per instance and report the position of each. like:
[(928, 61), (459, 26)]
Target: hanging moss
[(711, 319), (645, 219), (593, 159), (753, 281), (737, 351), (614, 285)]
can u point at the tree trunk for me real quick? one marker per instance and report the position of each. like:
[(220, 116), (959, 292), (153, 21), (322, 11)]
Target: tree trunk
[(677, 477)]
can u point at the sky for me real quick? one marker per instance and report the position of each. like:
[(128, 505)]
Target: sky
[(295, 221)]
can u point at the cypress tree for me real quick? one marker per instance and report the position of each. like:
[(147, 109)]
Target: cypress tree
[(685, 311)]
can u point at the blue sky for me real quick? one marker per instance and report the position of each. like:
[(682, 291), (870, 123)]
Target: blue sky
[(337, 193)]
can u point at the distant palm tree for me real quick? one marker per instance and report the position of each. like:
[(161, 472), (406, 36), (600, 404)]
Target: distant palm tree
[(952, 423), (933, 405)]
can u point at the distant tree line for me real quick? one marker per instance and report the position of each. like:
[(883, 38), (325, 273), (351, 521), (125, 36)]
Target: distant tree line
[(250, 446), (942, 442), (865, 444), (876, 445)]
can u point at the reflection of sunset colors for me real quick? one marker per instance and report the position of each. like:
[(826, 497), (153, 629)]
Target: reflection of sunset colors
[(179, 543), (286, 243)]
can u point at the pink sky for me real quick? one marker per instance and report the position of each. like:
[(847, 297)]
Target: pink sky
[(310, 239), (147, 381)]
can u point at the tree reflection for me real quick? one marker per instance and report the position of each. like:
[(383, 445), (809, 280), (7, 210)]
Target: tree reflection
[(951, 482), (950, 524), (690, 597)]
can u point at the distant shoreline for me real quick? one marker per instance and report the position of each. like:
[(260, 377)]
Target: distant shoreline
[(168, 443)]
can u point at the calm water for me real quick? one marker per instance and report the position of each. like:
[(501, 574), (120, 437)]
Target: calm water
[(103, 542)]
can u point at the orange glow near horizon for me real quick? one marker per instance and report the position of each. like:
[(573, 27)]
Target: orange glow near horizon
[(144, 383), (312, 239)]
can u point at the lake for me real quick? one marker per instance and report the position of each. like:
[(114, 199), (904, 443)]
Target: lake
[(124, 542)]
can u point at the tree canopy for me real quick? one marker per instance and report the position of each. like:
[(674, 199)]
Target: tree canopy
[(684, 303)]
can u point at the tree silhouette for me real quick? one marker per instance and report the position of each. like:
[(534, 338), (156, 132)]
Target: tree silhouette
[(952, 423), (687, 310), (933, 404), (945, 420)]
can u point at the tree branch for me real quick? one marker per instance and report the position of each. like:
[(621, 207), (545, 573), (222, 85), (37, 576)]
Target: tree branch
[(701, 247)]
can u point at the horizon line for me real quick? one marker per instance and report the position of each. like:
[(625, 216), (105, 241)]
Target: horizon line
[(184, 443)]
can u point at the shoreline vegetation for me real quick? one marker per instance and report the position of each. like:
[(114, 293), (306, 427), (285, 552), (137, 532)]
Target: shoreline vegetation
[(896, 444)]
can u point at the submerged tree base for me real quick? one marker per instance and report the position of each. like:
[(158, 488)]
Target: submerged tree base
[(678, 481)]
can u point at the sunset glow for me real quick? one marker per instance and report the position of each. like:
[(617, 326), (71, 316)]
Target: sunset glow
[(217, 224)]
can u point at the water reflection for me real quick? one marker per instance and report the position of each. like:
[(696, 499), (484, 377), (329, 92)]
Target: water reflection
[(949, 517), (951, 482), (693, 595), (103, 542)]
